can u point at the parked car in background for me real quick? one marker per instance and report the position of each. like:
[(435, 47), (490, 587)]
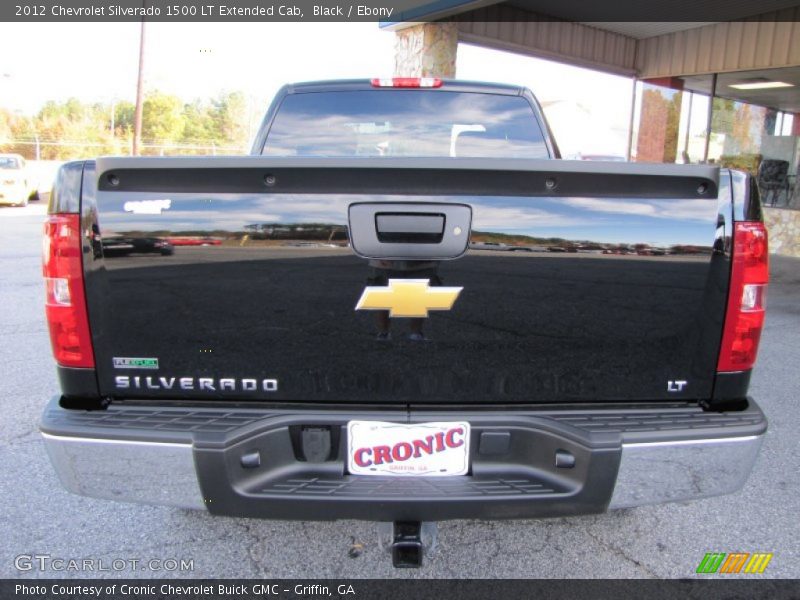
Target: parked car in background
[(123, 246), (603, 157), (498, 246), (15, 183), (194, 241)]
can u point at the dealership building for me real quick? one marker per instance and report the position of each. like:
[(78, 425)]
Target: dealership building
[(704, 90)]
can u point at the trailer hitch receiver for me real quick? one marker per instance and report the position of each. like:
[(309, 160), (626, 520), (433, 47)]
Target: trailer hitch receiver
[(407, 548)]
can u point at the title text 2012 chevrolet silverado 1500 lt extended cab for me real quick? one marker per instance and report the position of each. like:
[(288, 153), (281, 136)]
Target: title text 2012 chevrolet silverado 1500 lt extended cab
[(361, 343)]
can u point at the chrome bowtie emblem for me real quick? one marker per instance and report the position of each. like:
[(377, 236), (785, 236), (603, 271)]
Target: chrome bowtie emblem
[(408, 298)]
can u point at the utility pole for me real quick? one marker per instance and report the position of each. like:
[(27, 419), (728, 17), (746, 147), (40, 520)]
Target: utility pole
[(137, 117)]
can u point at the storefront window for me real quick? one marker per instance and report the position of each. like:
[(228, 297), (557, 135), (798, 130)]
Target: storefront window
[(693, 129), (752, 125), (738, 132), (758, 140)]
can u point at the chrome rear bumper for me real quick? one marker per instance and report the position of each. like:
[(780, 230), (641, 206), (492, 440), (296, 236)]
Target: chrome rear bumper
[(126, 470), (712, 456), (683, 470)]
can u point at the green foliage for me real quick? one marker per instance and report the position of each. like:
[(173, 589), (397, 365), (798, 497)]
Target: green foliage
[(73, 129), (162, 119), (198, 125), (742, 162), (723, 115), (13, 129), (123, 117), (229, 113)]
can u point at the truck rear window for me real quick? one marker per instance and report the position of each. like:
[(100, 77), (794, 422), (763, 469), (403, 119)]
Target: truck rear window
[(405, 123)]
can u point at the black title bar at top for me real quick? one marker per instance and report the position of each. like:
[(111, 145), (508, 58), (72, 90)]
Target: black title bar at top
[(200, 10), (390, 12)]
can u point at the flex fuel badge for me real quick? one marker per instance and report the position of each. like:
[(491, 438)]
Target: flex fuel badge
[(121, 362)]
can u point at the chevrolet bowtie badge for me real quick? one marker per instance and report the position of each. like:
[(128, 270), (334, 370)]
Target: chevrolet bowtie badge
[(408, 298)]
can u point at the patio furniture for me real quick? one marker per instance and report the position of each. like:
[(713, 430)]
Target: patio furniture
[(773, 180)]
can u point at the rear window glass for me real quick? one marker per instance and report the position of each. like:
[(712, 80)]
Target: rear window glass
[(405, 123)]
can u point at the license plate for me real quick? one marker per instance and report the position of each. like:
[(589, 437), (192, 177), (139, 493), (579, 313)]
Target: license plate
[(429, 449)]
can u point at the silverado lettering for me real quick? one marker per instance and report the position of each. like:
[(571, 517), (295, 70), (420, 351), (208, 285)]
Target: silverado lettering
[(125, 382)]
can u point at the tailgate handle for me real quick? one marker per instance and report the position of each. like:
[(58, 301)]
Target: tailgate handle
[(409, 230)]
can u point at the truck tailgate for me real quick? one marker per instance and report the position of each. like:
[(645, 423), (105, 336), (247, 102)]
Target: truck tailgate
[(240, 278)]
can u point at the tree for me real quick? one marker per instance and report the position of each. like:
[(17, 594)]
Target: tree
[(722, 115), (198, 129), (15, 131), (5, 127), (229, 115), (741, 130), (123, 117), (73, 129), (162, 119)]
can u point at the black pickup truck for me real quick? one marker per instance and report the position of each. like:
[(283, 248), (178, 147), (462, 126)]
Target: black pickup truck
[(360, 343)]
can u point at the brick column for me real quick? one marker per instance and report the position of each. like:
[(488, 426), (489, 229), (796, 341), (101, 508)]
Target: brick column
[(659, 120), (426, 50)]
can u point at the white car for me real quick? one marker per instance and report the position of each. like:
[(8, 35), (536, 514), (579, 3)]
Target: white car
[(15, 187)]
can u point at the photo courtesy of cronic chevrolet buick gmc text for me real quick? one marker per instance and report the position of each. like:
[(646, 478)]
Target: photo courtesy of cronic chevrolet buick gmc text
[(362, 342)]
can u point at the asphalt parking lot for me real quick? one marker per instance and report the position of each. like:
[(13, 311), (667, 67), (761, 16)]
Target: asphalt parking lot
[(38, 517)]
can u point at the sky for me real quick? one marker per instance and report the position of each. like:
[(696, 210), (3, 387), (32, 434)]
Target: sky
[(588, 111), (662, 222)]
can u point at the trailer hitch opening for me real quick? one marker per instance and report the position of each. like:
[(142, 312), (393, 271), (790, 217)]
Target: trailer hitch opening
[(408, 547)]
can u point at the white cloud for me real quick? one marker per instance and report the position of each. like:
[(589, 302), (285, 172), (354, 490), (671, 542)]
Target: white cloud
[(692, 210)]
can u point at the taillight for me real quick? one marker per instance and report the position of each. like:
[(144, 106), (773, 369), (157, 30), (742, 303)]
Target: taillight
[(408, 82), (65, 303), (744, 318)]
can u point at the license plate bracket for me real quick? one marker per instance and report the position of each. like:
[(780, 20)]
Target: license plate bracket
[(439, 449)]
